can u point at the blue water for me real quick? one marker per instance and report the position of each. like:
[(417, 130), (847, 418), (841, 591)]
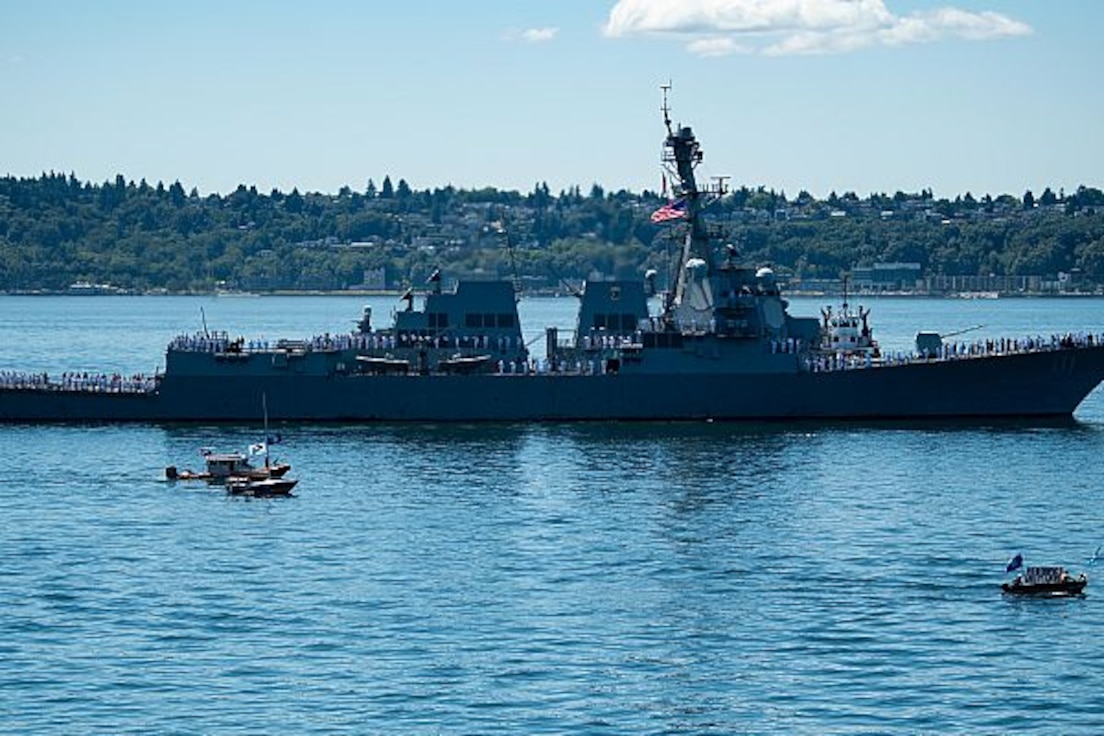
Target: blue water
[(656, 578)]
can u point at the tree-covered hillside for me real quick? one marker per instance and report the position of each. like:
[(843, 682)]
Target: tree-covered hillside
[(56, 230)]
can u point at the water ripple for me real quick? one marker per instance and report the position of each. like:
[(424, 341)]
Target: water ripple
[(647, 579)]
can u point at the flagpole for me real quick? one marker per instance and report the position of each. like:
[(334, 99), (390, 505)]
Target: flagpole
[(264, 407)]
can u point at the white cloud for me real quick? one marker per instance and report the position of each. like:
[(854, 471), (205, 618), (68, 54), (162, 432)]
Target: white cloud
[(532, 35), (782, 27), (716, 46), (536, 35)]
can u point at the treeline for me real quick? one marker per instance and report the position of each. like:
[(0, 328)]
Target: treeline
[(56, 230)]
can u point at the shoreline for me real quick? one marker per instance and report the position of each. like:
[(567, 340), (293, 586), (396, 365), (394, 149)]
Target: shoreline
[(550, 293)]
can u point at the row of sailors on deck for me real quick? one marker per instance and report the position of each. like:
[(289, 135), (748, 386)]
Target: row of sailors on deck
[(208, 344), (406, 340), (389, 341), (1019, 345), (200, 343), (604, 341), (954, 351), (541, 366), (95, 382), (842, 362), (790, 345)]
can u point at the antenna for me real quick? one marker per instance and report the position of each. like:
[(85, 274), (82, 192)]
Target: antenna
[(666, 108), (672, 270), (577, 293), (264, 408), (513, 257)]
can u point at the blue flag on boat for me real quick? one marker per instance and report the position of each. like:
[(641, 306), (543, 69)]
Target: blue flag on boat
[(1015, 563)]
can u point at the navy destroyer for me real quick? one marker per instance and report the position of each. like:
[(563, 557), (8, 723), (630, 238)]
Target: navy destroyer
[(720, 344)]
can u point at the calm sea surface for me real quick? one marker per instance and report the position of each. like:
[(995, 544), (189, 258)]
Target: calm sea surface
[(606, 578)]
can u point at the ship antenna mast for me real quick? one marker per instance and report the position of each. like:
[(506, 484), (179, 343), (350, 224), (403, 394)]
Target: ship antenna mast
[(505, 232), (666, 109), (681, 156)]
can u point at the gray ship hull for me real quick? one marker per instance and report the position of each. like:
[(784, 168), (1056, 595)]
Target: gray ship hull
[(1043, 384)]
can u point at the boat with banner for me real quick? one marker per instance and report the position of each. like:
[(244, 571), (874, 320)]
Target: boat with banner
[(1046, 581), (719, 344), (1053, 580)]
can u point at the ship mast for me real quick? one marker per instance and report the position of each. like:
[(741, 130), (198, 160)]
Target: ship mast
[(682, 152), (513, 258)]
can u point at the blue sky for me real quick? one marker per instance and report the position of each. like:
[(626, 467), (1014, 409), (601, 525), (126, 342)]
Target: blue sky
[(825, 95)]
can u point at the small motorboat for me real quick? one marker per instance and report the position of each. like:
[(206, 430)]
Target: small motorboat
[(260, 488), (1047, 581)]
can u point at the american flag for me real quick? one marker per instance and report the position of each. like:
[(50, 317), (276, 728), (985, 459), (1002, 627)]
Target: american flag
[(670, 211)]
